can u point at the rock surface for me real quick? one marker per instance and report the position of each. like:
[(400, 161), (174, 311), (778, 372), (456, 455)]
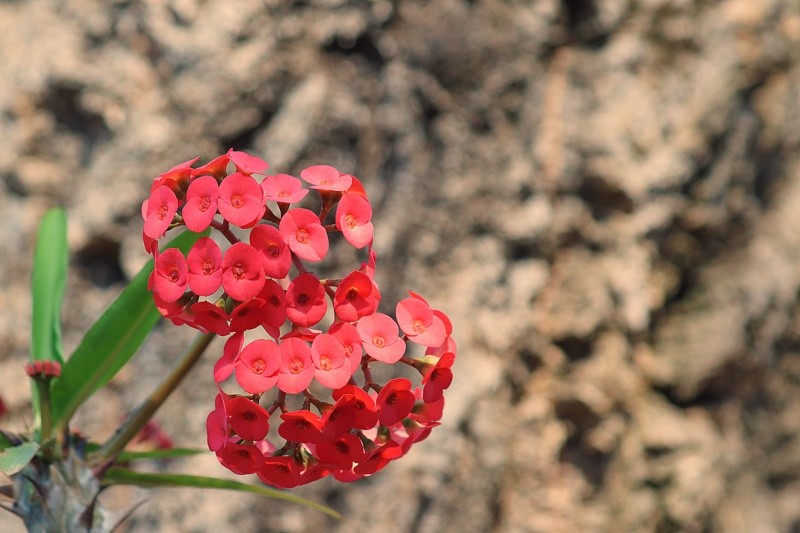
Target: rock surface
[(604, 196)]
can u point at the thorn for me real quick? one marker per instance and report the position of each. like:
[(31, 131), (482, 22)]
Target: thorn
[(10, 510), (127, 514), (86, 518)]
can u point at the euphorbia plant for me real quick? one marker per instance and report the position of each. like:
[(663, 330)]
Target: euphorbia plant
[(298, 400)]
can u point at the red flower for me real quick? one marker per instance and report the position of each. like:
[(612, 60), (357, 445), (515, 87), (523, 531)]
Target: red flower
[(283, 188), (356, 296), (211, 318), (341, 452), (205, 267), (438, 378), (354, 219), (395, 401), (419, 323), (225, 364), (276, 257), (282, 472), (240, 459), (379, 458), (257, 366), (359, 404), (241, 200), (305, 300), (169, 278), (331, 365), (274, 312), (176, 177), (160, 210), (380, 337), (326, 178), (246, 163), (304, 234), (297, 368), (216, 167), (201, 203), (300, 426), (247, 315), (242, 274), (247, 419)]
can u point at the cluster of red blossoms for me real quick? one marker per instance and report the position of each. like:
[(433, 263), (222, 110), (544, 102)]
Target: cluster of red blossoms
[(313, 371)]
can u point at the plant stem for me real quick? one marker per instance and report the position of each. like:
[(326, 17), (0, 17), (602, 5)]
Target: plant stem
[(43, 389), (139, 418)]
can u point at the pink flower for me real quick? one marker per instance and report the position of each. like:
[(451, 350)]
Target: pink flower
[(242, 275), (304, 234), (276, 258), (169, 278), (380, 337), (246, 163), (283, 188), (305, 300), (297, 368), (331, 365), (161, 208), (418, 321), (349, 338), (356, 296), (205, 267), (217, 429), (257, 366), (241, 200), (354, 219), (201, 203), (326, 178)]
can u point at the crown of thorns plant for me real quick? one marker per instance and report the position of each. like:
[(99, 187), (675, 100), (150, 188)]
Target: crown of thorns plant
[(311, 373)]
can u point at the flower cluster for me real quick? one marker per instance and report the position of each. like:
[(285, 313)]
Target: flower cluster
[(324, 337)]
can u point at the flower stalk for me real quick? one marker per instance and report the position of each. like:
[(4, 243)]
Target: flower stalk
[(142, 415)]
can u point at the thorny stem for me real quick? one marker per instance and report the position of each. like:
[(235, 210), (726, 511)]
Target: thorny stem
[(139, 418), (280, 401), (225, 229)]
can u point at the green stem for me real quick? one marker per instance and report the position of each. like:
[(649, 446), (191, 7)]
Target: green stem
[(45, 412), (139, 418)]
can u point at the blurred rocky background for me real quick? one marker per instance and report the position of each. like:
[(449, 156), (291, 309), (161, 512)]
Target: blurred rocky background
[(603, 194)]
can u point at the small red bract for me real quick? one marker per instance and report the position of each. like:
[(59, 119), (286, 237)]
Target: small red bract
[(314, 367)]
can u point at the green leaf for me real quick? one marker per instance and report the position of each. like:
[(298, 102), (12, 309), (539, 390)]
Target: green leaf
[(7, 440), (110, 342), (125, 456), (49, 278), (170, 453), (123, 476), (12, 460)]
